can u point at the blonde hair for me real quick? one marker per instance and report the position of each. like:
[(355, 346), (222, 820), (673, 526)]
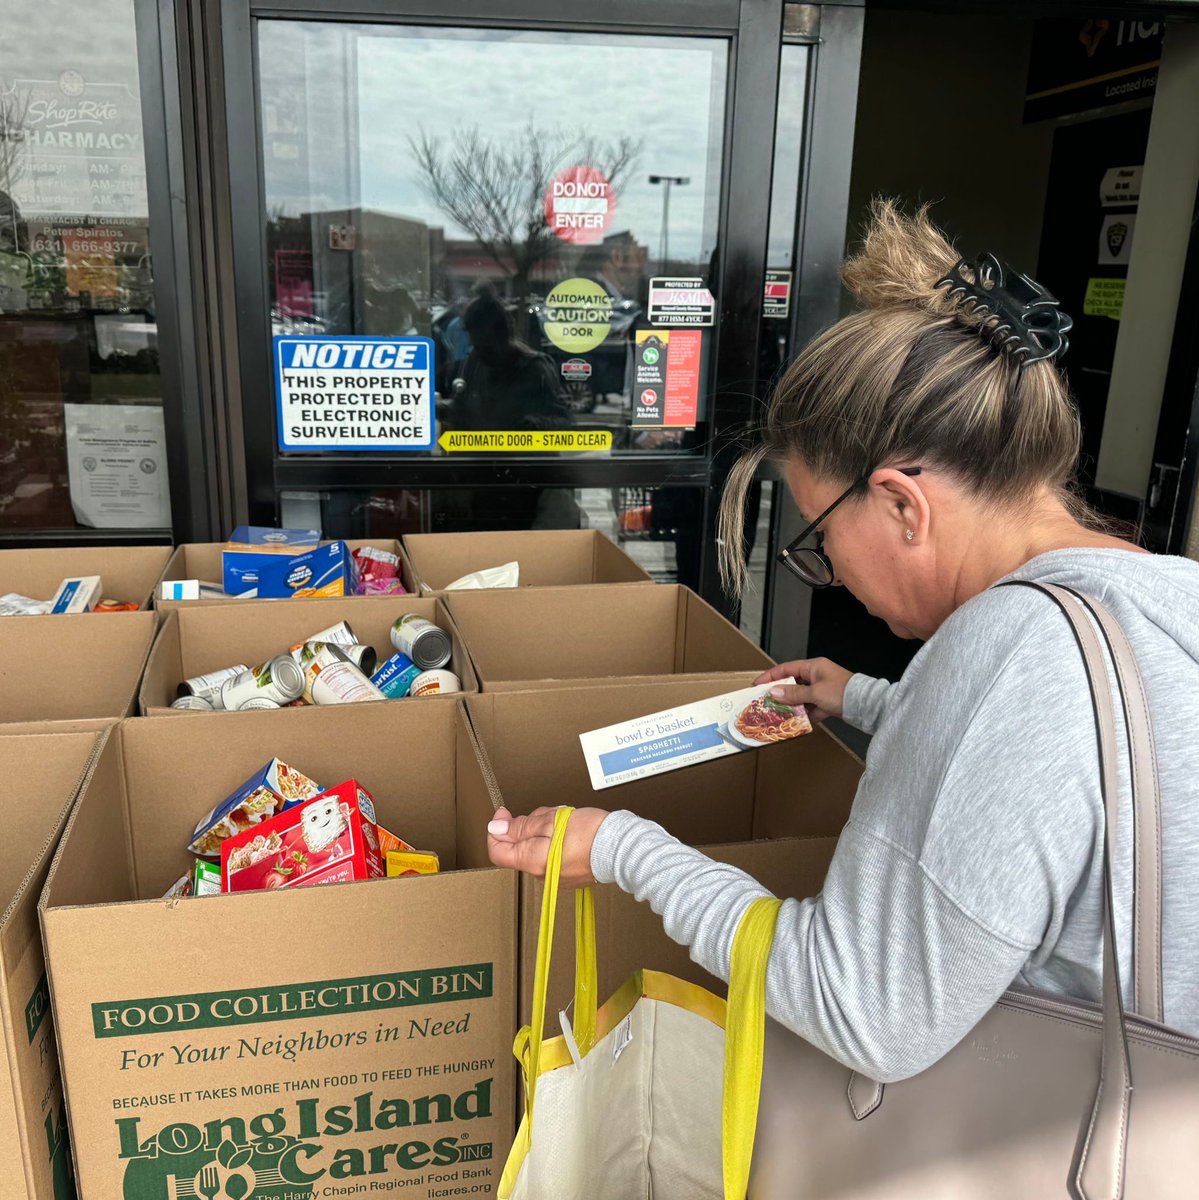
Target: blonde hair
[(908, 381)]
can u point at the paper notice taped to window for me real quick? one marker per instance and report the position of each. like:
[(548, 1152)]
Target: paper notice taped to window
[(117, 465)]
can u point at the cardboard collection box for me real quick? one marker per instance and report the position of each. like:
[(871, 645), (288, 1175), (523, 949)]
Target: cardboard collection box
[(547, 557), (351, 1036), (567, 637), (44, 772), (801, 789), (205, 637), (72, 667), (127, 573), (202, 561)]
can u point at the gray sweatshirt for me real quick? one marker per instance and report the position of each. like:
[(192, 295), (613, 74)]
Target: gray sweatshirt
[(973, 855)]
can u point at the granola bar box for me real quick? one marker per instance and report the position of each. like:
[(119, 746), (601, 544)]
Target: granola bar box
[(329, 839)]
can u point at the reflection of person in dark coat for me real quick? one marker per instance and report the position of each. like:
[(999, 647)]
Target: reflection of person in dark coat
[(505, 385)]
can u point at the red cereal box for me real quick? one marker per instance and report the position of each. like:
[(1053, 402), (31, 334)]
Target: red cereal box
[(329, 839)]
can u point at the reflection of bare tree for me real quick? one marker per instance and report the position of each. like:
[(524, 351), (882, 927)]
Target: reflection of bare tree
[(14, 111), (495, 190)]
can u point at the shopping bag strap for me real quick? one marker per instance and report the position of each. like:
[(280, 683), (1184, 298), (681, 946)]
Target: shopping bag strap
[(744, 1039), (527, 1047)]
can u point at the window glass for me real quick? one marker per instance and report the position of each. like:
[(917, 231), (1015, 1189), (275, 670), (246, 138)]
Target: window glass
[(81, 428), (509, 194)]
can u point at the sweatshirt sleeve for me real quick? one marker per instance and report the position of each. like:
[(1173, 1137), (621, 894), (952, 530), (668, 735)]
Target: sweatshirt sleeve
[(866, 700), (881, 971)]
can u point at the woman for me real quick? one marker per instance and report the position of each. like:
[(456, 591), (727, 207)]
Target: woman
[(936, 462)]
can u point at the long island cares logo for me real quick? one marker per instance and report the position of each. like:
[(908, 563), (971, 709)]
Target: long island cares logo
[(578, 315), (580, 203), (296, 1152)]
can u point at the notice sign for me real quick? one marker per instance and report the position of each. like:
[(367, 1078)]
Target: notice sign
[(674, 301), (666, 381), (580, 203), (1104, 298), (355, 393)]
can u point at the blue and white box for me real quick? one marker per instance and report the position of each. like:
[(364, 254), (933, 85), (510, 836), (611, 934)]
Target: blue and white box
[(251, 546), (747, 719)]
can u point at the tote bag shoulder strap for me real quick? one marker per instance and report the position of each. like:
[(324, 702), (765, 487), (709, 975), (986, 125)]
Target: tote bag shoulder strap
[(1146, 794), (1103, 1153)]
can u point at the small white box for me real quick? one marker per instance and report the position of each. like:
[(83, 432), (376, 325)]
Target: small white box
[(180, 589), (79, 595), (693, 733)]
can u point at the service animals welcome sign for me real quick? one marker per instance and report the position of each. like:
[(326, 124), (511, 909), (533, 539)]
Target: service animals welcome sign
[(355, 393)]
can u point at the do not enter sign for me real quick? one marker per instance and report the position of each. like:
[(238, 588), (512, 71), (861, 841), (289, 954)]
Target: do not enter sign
[(580, 203)]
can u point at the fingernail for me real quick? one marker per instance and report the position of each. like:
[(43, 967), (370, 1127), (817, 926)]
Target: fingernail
[(779, 693), (497, 827)]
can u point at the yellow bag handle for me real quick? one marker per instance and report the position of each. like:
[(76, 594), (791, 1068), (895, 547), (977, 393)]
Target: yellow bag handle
[(527, 1047), (744, 1039)]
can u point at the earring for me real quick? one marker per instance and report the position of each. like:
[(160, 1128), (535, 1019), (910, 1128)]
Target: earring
[(909, 534)]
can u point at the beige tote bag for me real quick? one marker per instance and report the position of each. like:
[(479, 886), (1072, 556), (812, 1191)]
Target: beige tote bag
[(1046, 1097)]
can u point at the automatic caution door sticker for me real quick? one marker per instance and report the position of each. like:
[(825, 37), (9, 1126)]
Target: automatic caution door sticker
[(355, 393)]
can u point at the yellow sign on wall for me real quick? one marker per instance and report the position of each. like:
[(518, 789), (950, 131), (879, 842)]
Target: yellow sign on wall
[(1104, 298)]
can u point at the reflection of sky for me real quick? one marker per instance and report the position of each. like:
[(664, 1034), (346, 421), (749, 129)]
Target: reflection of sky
[(40, 39), (657, 90), (788, 145)]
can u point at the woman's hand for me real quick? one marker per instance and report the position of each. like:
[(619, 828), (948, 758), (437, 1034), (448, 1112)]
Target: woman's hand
[(819, 684), (524, 842)]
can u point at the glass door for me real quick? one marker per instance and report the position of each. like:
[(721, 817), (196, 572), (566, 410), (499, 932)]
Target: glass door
[(546, 224)]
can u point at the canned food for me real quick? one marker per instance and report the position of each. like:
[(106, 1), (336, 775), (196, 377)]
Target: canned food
[(279, 680), (435, 683), (208, 687), (340, 635), (394, 678), (193, 703), (331, 678), (363, 657), (260, 702), (425, 643)]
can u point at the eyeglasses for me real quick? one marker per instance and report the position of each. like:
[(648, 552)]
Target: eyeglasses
[(810, 564)]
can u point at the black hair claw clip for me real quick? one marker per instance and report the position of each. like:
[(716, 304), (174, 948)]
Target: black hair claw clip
[(1018, 316)]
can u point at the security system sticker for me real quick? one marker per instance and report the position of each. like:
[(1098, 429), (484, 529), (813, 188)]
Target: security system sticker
[(355, 393), (776, 301), (680, 301)]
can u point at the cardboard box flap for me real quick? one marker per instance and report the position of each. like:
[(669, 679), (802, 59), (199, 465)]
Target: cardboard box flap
[(613, 565), (547, 557), (44, 774), (517, 637), (127, 573), (72, 667)]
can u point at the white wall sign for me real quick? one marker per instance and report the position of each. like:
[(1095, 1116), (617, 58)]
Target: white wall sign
[(117, 465), (1120, 185), (355, 393)]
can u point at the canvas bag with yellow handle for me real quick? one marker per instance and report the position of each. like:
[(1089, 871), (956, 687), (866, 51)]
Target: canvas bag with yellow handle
[(654, 1094)]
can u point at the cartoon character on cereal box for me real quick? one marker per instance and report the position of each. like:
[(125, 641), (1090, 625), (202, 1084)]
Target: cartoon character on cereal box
[(315, 842)]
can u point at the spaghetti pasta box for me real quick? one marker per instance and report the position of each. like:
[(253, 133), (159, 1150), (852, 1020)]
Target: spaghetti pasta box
[(269, 791), (251, 547), (326, 571), (328, 839), (693, 733), (78, 595)]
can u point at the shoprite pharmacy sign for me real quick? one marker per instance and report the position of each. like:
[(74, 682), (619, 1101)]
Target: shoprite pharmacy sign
[(354, 393)]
